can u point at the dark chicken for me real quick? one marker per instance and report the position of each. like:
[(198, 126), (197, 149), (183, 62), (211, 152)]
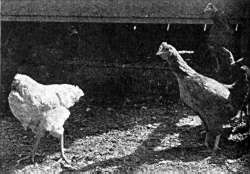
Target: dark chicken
[(220, 34), (243, 62), (42, 107), (213, 56), (213, 101)]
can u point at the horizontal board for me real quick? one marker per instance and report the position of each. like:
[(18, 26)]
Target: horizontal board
[(137, 11)]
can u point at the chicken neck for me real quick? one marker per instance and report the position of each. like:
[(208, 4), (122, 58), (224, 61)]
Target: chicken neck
[(220, 20), (179, 66)]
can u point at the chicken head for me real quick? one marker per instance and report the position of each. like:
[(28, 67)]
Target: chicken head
[(166, 49), (210, 9)]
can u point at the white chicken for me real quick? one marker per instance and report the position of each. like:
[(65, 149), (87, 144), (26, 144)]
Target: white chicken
[(42, 107)]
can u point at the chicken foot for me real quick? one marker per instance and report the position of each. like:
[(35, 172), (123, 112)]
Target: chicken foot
[(33, 151), (216, 143), (62, 150), (22, 159)]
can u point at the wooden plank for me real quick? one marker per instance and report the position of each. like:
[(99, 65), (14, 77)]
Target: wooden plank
[(135, 20), (117, 66), (118, 8), (123, 11), (245, 33)]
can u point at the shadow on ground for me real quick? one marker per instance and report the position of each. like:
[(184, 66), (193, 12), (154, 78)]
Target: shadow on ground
[(124, 141)]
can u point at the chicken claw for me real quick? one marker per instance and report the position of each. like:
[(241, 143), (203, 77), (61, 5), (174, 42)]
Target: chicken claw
[(65, 159), (22, 159)]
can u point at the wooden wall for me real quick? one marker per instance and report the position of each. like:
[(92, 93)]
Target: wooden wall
[(125, 11)]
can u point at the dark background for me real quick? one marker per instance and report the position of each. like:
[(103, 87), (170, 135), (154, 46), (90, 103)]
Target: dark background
[(79, 54)]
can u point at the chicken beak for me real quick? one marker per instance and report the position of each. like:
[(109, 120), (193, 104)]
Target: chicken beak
[(158, 58), (158, 53), (205, 10), (245, 68)]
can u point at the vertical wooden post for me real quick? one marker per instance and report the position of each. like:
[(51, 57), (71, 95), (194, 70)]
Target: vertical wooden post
[(1, 96), (248, 37), (245, 34)]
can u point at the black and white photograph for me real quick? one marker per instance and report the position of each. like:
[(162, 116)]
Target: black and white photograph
[(125, 86)]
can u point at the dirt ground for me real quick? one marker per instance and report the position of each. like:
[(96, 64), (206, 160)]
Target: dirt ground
[(135, 137), (139, 138)]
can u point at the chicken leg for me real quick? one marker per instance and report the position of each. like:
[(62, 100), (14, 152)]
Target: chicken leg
[(33, 152), (206, 140), (38, 138), (216, 143), (62, 150)]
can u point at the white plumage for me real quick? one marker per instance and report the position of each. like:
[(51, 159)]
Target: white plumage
[(42, 107)]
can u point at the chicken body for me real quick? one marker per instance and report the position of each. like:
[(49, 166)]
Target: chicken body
[(42, 107), (213, 101)]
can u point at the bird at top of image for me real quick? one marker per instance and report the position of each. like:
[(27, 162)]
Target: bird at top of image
[(214, 102), (42, 108), (210, 8), (213, 55), (221, 32)]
